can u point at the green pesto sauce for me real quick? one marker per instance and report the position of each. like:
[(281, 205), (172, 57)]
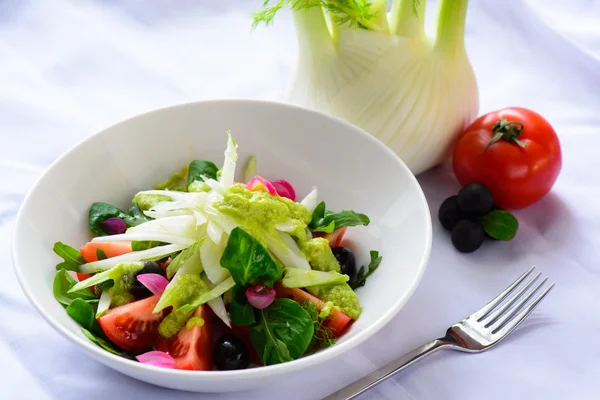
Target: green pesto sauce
[(185, 289), (177, 181), (259, 212), (173, 323), (123, 276), (147, 201), (341, 295), (319, 255), (198, 186)]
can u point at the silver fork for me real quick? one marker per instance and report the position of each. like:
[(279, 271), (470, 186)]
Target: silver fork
[(478, 332)]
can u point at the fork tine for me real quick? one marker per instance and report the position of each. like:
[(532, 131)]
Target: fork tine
[(483, 312), (507, 317), (491, 318), (522, 315)]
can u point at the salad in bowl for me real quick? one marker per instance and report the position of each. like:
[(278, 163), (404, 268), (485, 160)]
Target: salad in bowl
[(203, 272)]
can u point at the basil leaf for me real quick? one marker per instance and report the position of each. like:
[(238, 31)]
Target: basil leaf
[(82, 312), (283, 332), (63, 282), (72, 258), (327, 221), (500, 225), (105, 344), (248, 261), (242, 313), (364, 273), (200, 168)]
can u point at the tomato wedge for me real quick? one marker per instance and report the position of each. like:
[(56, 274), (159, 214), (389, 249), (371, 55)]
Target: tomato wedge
[(89, 251), (192, 347), (335, 238), (338, 322), (133, 326)]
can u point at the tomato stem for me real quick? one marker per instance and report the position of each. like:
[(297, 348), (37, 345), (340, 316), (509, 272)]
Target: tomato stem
[(506, 130)]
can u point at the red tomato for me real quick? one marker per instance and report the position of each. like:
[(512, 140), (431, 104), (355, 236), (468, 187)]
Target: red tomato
[(335, 238), (192, 346), (133, 326), (337, 322), (520, 167)]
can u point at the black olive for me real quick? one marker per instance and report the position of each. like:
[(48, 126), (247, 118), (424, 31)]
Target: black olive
[(475, 199), (347, 261), (231, 353), (140, 291), (151, 267), (449, 213), (467, 235)]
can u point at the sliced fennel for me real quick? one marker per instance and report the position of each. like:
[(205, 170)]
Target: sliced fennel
[(182, 258), (300, 278), (310, 201), (228, 174), (210, 254), (104, 303), (215, 292), (380, 72), (150, 236), (218, 307), (102, 265)]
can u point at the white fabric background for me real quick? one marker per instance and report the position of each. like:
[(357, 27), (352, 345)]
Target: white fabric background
[(71, 68)]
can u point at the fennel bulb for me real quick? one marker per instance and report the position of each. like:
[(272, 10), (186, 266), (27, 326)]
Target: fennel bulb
[(381, 73)]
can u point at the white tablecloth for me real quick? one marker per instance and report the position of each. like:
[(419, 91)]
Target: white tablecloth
[(71, 68)]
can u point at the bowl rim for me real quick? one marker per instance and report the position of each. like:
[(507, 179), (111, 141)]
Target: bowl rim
[(259, 372)]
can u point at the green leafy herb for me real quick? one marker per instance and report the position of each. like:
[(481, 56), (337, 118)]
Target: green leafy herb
[(356, 13), (100, 212), (283, 332), (364, 273), (182, 258), (327, 221), (135, 216), (500, 224), (105, 344), (82, 312), (323, 336), (101, 254), (248, 261), (242, 313), (201, 168), (63, 282), (72, 258)]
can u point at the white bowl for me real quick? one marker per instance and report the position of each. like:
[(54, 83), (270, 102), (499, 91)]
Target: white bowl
[(351, 169)]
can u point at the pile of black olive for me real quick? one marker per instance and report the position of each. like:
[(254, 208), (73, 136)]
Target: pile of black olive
[(461, 215)]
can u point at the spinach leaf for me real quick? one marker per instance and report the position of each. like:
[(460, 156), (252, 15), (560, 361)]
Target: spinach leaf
[(82, 312), (363, 274), (500, 225), (327, 221), (135, 216), (283, 332), (100, 212), (242, 313), (63, 282), (248, 261), (105, 344), (200, 168), (72, 258)]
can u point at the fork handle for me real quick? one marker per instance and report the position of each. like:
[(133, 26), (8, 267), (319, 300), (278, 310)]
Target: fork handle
[(376, 377)]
